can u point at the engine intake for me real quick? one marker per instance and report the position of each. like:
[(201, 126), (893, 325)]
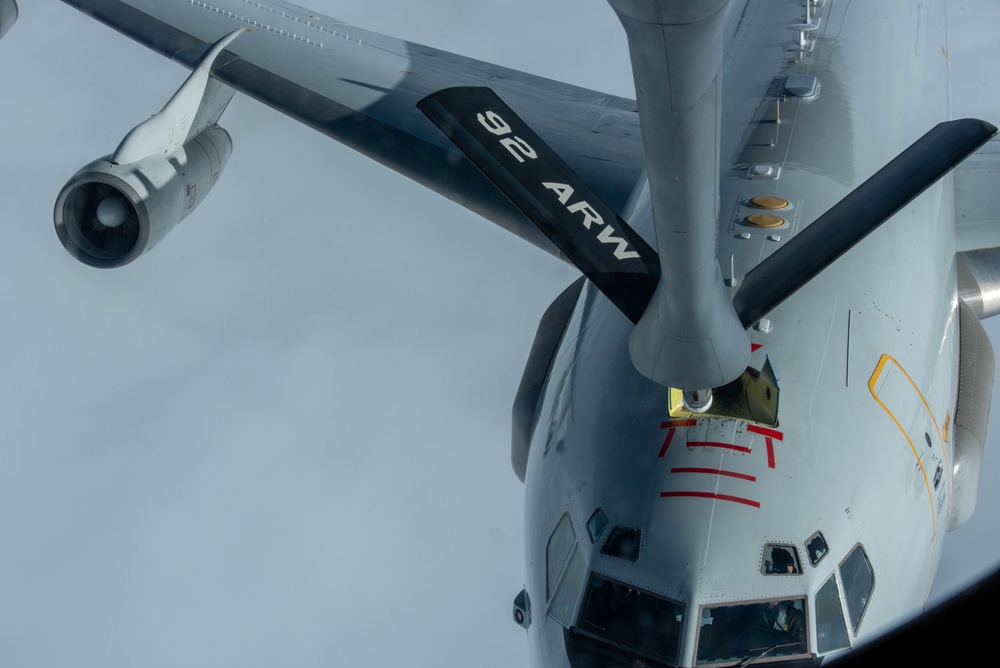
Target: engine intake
[(107, 215)]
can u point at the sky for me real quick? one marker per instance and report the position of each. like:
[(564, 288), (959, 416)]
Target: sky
[(282, 437)]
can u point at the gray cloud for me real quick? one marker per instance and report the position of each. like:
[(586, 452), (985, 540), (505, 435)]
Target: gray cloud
[(282, 437)]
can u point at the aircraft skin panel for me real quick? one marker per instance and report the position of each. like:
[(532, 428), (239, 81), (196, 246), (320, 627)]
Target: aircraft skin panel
[(361, 88)]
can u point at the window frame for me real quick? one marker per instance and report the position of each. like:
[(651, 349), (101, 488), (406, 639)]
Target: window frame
[(598, 513), (843, 618), (806, 635), (769, 550), (551, 583), (623, 533), (817, 534), (844, 582)]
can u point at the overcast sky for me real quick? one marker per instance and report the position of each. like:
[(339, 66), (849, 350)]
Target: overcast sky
[(282, 438)]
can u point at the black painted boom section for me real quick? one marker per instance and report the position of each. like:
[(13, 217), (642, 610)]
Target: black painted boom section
[(858, 215), (543, 187)]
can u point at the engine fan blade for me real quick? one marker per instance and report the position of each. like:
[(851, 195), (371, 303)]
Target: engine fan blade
[(101, 220)]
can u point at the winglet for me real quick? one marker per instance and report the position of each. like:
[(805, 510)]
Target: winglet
[(196, 106)]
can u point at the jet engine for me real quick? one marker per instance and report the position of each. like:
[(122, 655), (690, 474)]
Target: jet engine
[(108, 214)]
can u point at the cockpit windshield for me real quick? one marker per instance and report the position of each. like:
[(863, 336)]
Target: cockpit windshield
[(635, 621), (734, 633)]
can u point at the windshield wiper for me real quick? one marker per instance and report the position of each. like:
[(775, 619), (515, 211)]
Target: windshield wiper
[(617, 640), (764, 651)]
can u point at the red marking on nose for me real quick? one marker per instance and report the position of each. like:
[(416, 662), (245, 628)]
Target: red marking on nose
[(678, 423), (769, 436), (666, 442), (731, 474), (711, 495), (716, 444), (673, 425), (764, 431), (754, 347)]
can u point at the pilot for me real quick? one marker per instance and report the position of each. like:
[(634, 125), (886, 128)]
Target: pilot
[(783, 616), (613, 602), (782, 561)]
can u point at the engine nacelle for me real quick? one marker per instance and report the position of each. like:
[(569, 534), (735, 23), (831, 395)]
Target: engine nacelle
[(8, 14), (108, 215)]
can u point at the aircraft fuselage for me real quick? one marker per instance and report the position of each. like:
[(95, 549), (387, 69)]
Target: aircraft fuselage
[(866, 359)]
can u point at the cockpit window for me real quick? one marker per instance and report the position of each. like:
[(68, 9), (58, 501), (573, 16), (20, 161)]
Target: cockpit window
[(624, 543), (859, 580), (780, 559), (568, 590), (735, 633), (557, 551), (816, 548), (596, 524), (831, 632), (632, 620)]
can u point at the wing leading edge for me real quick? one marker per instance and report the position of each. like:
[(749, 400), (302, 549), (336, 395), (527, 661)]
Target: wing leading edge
[(361, 88)]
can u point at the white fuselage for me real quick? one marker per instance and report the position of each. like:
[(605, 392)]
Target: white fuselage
[(866, 358)]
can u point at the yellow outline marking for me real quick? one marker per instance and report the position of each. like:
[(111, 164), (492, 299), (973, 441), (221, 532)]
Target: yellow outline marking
[(871, 388), (937, 430), (930, 496)]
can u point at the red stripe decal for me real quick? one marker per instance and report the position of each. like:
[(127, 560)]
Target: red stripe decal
[(714, 444), (764, 431), (666, 442), (754, 347), (678, 423), (710, 495), (672, 425), (770, 452), (731, 474)]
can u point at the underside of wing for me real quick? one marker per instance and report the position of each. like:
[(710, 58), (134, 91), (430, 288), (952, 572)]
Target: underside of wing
[(361, 88)]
